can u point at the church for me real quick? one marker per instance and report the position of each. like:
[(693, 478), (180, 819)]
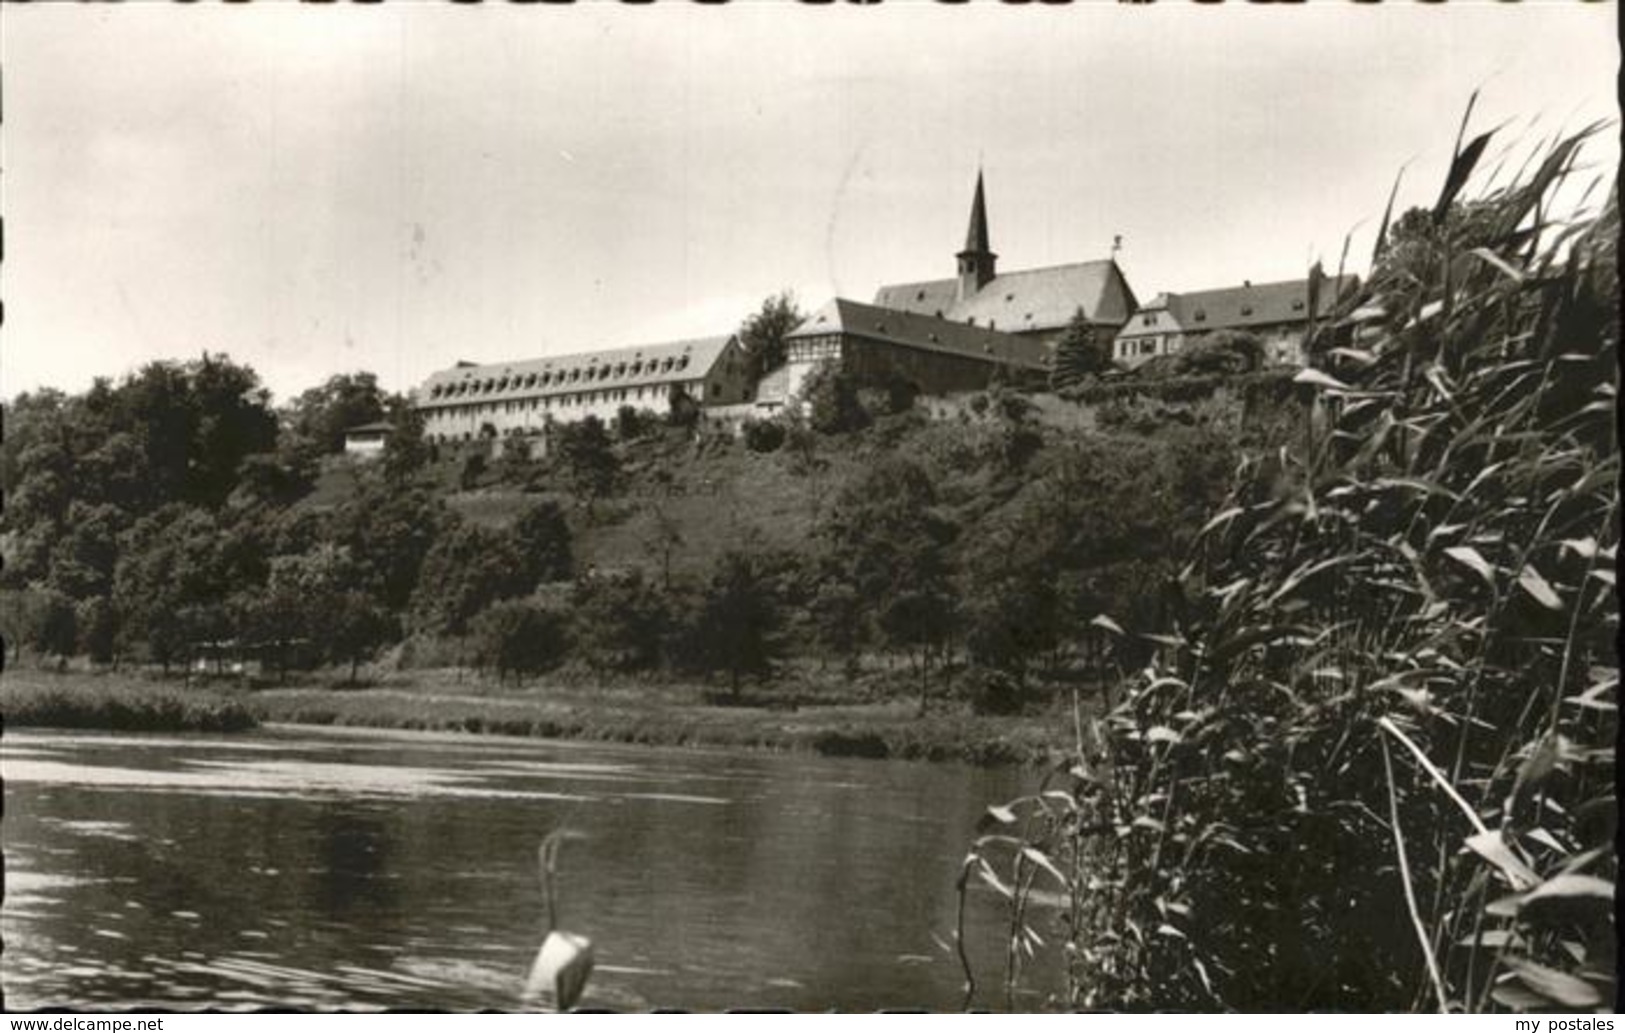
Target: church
[(956, 333), (1034, 304)]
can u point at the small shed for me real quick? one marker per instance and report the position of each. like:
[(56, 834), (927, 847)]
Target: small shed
[(366, 440)]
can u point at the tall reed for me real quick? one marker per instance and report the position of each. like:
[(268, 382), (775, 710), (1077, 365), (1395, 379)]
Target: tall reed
[(1373, 765)]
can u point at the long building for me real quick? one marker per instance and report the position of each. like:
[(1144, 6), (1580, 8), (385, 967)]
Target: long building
[(471, 401)]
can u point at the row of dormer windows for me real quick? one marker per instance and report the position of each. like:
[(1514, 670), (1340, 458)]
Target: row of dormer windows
[(558, 378)]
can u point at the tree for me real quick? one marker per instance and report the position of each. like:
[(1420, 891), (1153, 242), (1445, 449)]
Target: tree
[(1223, 351), (541, 536), (632, 423), (892, 547), (836, 616), (405, 449), (621, 622), (738, 621), (762, 335), (56, 632), (1082, 352), (664, 538), (467, 569), (830, 394), (357, 627), (98, 626), (1011, 612), (388, 532), (317, 419), (520, 638), (588, 458)]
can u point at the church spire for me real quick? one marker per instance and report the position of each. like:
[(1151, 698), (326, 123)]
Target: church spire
[(976, 262)]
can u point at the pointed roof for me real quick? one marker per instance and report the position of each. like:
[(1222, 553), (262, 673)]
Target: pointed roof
[(976, 235)]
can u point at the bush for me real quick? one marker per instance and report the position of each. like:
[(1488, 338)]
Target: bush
[(520, 638), (763, 435), (993, 692)]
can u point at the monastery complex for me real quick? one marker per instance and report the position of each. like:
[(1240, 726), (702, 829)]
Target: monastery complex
[(940, 336)]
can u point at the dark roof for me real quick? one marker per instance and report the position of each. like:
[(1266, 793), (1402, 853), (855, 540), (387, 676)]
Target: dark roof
[(637, 366), (928, 333), (976, 233), (380, 427), (1257, 304), (1025, 300)]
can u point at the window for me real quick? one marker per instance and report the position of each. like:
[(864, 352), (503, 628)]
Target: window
[(1201, 316), (920, 296), (1150, 319), (637, 367), (1246, 310), (620, 370), (716, 390)]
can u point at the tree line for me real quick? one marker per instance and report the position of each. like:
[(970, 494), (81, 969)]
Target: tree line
[(172, 519)]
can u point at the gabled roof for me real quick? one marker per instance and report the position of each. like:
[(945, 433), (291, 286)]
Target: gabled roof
[(1230, 308), (636, 366), (1025, 300), (927, 333)]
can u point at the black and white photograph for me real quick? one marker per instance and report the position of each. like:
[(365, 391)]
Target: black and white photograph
[(810, 506)]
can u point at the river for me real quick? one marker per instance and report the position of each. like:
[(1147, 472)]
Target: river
[(335, 869)]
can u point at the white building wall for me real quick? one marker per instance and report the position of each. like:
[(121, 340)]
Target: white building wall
[(465, 420)]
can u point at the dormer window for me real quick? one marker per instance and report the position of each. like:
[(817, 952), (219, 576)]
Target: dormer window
[(919, 296), (1297, 305), (1201, 317), (1246, 310)]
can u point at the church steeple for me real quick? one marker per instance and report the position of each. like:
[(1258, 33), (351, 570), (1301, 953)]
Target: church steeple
[(977, 260)]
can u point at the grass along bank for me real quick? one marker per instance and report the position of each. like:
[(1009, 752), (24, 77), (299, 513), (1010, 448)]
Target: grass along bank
[(634, 711), (672, 715), (789, 714), (117, 703)]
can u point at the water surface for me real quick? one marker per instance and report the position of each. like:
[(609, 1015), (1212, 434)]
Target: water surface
[(362, 870)]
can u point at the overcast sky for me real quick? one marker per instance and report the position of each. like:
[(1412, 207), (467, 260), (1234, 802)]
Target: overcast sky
[(320, 190)]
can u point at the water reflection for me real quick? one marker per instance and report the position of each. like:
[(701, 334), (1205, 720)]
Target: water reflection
[(355, 870)]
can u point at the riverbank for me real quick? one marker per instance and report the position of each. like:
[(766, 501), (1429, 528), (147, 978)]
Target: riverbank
[(640, 713), (36, 699)]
